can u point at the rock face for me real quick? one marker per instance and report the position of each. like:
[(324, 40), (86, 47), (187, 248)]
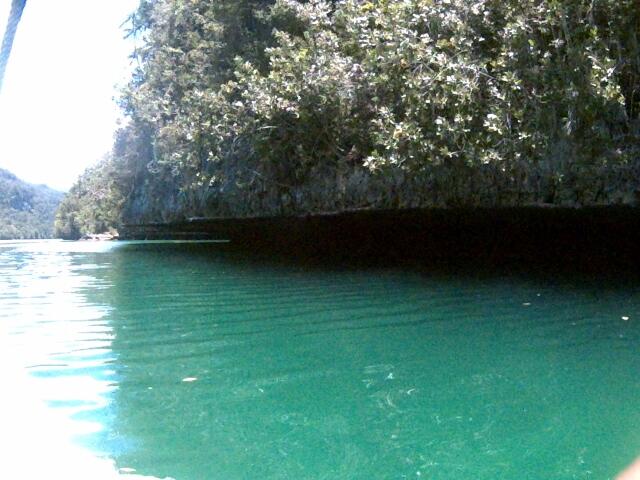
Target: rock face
[(352, 187)]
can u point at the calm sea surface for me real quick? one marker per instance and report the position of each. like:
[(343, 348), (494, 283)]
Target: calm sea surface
[(190, 362)]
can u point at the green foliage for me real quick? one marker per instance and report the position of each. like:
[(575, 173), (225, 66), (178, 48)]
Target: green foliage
[(421, 84), (93, 204), (383, 103), (26, 211), (189, 51)]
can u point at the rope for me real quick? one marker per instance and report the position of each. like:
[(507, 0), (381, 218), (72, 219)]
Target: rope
[(17, 6)]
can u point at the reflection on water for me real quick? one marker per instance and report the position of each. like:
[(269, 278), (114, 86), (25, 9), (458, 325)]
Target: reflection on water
[(185, 361)]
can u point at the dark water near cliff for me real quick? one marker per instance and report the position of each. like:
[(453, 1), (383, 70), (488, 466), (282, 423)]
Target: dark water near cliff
[(192, 362)]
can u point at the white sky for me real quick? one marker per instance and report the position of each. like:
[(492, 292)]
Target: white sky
[(57, 113)]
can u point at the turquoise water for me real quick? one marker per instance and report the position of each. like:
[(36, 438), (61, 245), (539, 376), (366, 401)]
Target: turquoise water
[(193, 362)]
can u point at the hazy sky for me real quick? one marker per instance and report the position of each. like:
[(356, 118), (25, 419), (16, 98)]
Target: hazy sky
[(57, 114)]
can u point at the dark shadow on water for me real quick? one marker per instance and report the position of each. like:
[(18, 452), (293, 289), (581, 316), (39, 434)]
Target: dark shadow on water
[(595, 243)]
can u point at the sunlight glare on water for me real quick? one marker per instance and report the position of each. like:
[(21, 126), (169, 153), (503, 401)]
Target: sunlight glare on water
[(55, 351)]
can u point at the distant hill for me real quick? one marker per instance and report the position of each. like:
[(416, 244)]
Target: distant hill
[(26, 210)]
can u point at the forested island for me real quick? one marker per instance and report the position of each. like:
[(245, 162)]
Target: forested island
[(26, 211), (280, 108)]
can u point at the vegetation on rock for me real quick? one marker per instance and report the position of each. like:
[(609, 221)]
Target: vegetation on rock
[(251, 107)]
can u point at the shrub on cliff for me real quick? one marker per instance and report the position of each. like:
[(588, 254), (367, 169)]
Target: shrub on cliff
[(420, 84), (544, 96)]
